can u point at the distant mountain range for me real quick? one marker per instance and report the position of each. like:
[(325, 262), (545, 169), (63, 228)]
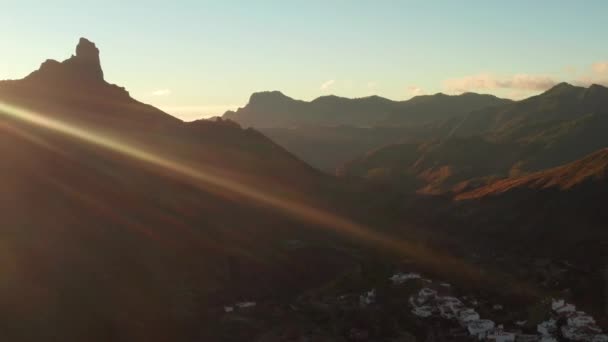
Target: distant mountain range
[(561, 125), (523, 120), (276, 110), (331, 130)]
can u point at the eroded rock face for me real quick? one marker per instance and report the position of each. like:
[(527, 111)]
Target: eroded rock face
[(84, 66), (87, 56)]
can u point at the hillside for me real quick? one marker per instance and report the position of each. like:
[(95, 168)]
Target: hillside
[(330, 131), (557, 127), (330, 147), (425, 109), (580, 173), (548, 226), (437, 166), (121, 222), (528, 117)]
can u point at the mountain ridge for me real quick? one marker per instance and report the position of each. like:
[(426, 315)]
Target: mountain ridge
[(563, 124), (272, 109), (593, 167)]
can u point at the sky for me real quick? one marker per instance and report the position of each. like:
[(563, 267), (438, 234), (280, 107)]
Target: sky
[(200, 58)]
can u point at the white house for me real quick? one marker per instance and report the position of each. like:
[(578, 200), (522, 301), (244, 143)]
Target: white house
[(367, 298), (467, 315), (447, 311), (427, 293), (449, 307), (561, 307), (499, 335), (580, 319), (566, 309), (423, 311), (557, 303), (424, 295), (480, 328), (243, 305), (400, 278), (547, 328), (575, 333)]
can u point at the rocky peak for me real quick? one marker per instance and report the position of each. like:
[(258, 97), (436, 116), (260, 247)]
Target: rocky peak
[(87, 58), (267, 97), (84, 66), (87, 51), (562, 88)]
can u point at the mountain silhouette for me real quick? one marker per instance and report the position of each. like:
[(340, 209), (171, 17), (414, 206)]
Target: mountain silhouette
[(275, 110), (557, 127), (122, 222), (84, 66), (425, 109), (76, 90), (330, 130), (514, 121)]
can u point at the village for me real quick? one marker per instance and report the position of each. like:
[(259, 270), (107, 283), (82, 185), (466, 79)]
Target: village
[(409, 306), (443, 315), (563, 322)]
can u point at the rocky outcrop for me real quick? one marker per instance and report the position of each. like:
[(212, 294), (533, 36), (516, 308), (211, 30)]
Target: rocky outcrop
[(84, 66)]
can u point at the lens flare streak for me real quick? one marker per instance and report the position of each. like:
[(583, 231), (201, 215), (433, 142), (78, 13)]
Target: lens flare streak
[(206, 180)]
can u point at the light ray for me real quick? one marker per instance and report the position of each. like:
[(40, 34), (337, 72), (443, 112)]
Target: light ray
[(203, 179)]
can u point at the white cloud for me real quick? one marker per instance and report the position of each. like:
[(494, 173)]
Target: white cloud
[(327, 84), (491, 82), (600, 67), (598, 74), (161, 92), (415, 91), (372, 88)]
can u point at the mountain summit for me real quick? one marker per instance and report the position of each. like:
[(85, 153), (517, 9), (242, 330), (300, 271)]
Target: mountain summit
[(273, 109), (84, 66), (87, 57), (76, 89)]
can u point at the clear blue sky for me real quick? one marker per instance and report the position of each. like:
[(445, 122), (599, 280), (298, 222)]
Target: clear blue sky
[(196, 58)]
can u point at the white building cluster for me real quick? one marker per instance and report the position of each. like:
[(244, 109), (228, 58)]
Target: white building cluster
[(400, 278), (427, 303), (579, 325), (240, 305), (367, 298)]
